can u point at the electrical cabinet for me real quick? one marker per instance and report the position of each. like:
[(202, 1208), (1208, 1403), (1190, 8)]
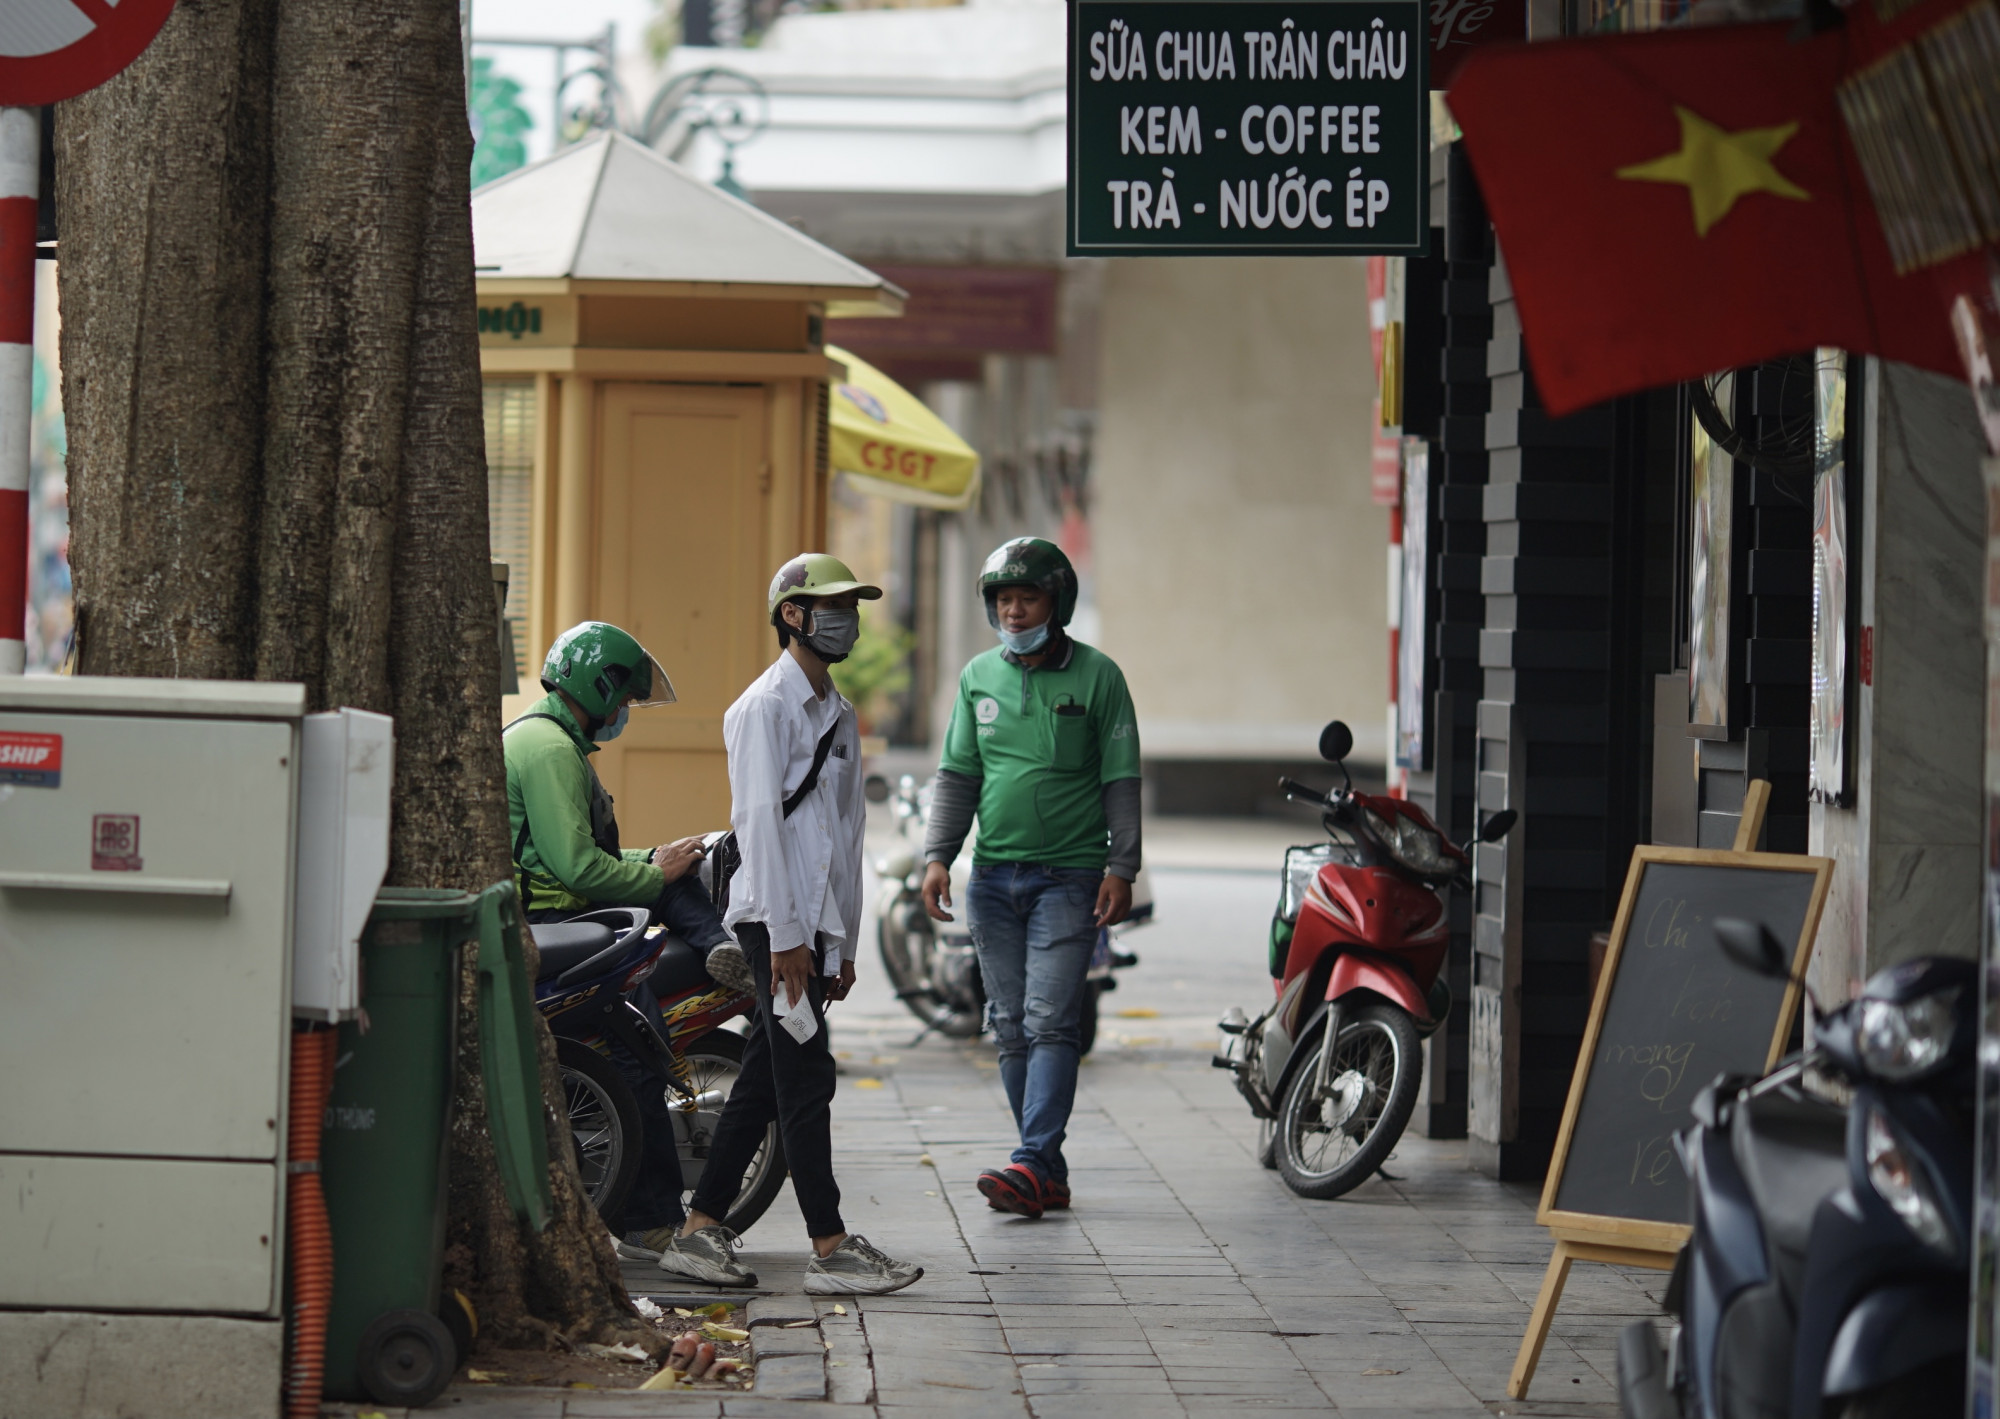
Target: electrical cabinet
[(146, 860)]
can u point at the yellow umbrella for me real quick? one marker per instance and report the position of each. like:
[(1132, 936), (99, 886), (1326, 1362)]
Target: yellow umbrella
[(894, 447)]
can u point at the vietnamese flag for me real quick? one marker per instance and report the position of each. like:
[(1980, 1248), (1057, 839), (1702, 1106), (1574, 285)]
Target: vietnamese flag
[(1675, 203)]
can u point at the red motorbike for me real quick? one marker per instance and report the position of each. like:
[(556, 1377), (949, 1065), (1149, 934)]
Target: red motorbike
[(1357, 959)]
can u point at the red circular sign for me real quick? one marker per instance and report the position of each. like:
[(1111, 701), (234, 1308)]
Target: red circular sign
[(56, 49)]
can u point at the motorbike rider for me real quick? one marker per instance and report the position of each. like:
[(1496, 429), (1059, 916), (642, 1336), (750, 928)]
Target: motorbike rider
[(1044, 746), (567, 860)]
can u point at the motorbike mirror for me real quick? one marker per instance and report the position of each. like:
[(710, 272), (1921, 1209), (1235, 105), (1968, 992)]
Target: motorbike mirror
[(1753, 947), (875, 789), (1336, 742), (1499, 825)]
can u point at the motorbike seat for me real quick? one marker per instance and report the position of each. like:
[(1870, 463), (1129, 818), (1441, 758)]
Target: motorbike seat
[(1793, 1153), (681, 968), (569, 943)]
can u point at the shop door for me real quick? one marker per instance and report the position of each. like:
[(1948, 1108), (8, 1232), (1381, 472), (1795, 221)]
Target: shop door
[(682, 531)]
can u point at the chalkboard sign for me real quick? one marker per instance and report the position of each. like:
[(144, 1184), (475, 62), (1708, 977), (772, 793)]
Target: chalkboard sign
[(1671, 1013)]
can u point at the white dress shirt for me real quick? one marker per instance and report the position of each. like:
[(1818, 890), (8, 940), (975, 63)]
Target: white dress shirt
[(802, 874)]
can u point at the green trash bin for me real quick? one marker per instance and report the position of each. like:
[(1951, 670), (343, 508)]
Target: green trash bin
[(385, 1146)]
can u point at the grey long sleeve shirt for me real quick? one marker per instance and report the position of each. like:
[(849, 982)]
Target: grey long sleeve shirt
[(955, 802)]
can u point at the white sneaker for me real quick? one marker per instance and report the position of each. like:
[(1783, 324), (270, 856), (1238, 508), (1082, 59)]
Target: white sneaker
[(727, 966), (854, 1268), (707, 1255)]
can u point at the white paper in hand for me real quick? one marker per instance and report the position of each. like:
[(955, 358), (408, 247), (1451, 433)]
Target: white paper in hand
[(796, 1015)]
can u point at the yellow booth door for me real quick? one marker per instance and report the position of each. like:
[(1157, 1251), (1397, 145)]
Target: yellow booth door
[(683, 522)]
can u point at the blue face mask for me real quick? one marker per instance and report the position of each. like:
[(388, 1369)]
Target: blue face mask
[(614, 726), (1026, 642)]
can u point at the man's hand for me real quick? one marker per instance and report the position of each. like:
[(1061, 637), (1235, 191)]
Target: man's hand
[(937, 891), (674, 859), (837, 988), (1114, 900), (793, 970)]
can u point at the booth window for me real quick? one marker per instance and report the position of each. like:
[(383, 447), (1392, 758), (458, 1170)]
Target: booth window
[(510, 481)]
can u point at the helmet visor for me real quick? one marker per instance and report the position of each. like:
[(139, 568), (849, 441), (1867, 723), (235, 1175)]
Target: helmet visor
[(650, 686)]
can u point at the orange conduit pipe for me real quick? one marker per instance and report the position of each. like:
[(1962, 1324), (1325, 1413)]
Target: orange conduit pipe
[(311, 1240)]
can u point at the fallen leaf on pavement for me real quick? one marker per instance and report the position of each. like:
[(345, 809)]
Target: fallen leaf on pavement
[(667, 1378), (1139, 1012), (868, 1083), (724, 1332), (483, 1377), (1381, 1372), (714, 1310), (795, 1324), (839, 1309), (927, 1161)]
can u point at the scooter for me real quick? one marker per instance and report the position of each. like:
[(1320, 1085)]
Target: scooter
[(591, 967), (932, 964), (1828, 1270), (1358, 948)]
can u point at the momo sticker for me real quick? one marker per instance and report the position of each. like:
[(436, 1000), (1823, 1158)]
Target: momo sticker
[(986, 710), (114, 843), (31, 759)]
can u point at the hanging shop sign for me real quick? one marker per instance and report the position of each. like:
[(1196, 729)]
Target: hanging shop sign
[(1247, 128)]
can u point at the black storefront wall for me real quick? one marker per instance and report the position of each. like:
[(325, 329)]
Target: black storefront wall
[(1577, 588), (1449, 321)]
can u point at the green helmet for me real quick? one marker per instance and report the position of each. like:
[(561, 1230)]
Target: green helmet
[(1029, 561), (597, 665), (813, 574)]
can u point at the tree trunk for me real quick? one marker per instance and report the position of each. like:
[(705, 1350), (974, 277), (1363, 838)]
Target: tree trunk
[(277, 464)]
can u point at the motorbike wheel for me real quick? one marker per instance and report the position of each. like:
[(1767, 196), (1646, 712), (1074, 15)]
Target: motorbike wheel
[(1937, 1388), (1086, 1024), (907, 951), (603, 1122), (1328, 1145), (715, 1061)]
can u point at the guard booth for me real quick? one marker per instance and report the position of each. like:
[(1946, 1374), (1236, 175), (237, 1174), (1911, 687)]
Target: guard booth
[(656, 436)]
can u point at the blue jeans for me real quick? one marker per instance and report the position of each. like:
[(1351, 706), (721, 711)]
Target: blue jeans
[(1034, 932)]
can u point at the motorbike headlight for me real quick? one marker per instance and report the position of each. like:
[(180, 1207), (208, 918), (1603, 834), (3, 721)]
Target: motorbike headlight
[(1411, 844), (1902, 1041), (1902, 1182)]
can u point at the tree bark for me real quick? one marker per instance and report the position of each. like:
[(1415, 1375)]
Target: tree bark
[(277, 465)]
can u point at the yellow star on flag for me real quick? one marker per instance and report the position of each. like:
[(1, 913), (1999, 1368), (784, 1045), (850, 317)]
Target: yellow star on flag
[(1718, 167)]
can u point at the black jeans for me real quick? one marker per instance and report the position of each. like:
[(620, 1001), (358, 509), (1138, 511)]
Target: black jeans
[(783, 1080), (684, 908)]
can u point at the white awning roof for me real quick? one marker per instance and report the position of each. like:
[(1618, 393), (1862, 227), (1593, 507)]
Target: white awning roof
[(611, 209)]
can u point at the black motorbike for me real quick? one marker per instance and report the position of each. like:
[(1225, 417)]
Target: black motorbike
[(592, 966), (1828, 1270)]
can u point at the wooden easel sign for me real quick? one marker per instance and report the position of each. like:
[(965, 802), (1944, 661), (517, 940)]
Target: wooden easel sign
[(1671, 1012)]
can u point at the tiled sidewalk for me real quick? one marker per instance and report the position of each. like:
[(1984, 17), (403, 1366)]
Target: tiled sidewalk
[(1188, 1281)]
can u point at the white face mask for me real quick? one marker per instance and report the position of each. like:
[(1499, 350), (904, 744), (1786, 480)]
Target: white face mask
[(1026, 642), (614, 726), (833, 634)]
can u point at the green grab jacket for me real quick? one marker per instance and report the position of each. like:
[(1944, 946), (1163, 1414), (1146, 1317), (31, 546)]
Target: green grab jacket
[(550, 788)]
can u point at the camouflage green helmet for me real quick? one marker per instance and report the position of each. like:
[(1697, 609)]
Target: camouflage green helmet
[(597, 665), (1029, 561), (813, 574)]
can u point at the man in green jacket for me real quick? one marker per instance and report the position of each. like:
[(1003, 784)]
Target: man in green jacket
[(1044, 747), (567, 859)]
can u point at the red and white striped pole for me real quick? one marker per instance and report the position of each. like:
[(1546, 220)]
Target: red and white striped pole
[(20, 174)]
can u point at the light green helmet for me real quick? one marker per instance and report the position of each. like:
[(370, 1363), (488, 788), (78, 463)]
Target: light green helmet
[(816, 574), (1029, 561), (597, 665)]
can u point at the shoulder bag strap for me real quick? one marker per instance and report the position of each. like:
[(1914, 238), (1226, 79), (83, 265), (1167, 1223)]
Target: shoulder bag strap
[(811, 780)]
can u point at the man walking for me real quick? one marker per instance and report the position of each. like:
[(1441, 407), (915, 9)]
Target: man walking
[(795, 906), (1043, 745)]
